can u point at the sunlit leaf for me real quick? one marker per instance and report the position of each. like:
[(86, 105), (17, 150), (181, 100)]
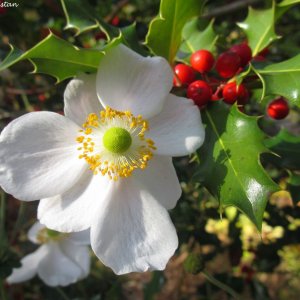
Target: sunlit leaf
[(164, 35), (230, 165)]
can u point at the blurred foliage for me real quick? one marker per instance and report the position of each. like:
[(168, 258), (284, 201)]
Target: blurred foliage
[(262, 265)]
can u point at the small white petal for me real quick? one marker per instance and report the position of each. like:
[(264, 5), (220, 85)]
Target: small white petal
[(177, 130), (29, 266), (81, 98), (160, 180), (132, 231), (80, 238), (58, 269), (39, 156), (78, 254), (74, 210), (129, 81), (33, 232)]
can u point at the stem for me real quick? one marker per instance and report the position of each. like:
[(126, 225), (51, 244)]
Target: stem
[(62, 293), (2, 218), (18, 222), (2, 291), (221, 285), (229, 8)]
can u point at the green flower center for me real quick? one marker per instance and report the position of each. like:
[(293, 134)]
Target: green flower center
[(117, 140), (53, 234)]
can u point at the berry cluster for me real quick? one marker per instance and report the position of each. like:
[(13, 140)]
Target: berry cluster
[(202, 88)]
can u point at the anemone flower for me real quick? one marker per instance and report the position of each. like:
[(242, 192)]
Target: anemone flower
[(62, 258), (107, 164)]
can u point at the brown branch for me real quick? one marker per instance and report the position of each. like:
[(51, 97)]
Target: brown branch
[(229, 8), (115, 10)]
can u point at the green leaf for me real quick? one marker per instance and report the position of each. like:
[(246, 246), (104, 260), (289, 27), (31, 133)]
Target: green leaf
[(259, 28), (230, 165), (8, 261), (294, 187), (194, 39), (282, 79), (56, 57), (78, 16), (287, 146), (283, 6), (164, 35)]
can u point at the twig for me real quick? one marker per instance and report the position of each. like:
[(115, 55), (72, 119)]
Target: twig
[(220, 285), (115, 10), (27, 91), (229, 8)]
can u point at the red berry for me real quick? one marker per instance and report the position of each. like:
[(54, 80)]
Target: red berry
[(200, 92), (185, 74), (202, 61), (228, 64), (243, 51), (115, 21), (278, 109), (233, 93)]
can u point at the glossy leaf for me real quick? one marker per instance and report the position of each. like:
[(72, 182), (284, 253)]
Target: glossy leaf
[(259, 28), (230, 165), (164, 35), (282, 79), (287, 147), (79, 15), (194, 39), (283, 6), (294, 187), (56, 57)]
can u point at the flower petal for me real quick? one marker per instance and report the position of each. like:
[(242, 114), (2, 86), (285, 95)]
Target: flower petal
[(58, 269), (33, 232), (129, 81), (81, 98), (160, 180), (78, 254), (132, 231), (39, 156), (177, 130), (74, 210), (29, 266), (80, 238)]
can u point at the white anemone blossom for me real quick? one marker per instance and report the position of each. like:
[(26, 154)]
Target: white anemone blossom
[(62, 258), (107, 165)]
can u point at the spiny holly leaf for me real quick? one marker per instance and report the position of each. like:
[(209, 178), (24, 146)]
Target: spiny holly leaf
[(82, 17), (194, 39), (164, 35), (78, 16), (282, 79), (283, 6), (259, 28), (230, 165), (287, 146), (56, 57), (294, 187)]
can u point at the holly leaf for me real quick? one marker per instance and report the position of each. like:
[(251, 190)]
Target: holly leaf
[(287, 147), (259, 28), (56, 57), (282, 79), (79, 17), (194, 39), (164, 35), (283, 6), (294, 187), (8, 261), (230, 165)]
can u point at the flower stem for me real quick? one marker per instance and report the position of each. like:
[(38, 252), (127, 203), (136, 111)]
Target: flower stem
[(221, 285), (2, 291), (2, 218), (62, 293)]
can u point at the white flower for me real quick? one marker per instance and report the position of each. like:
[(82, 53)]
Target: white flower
[(110, 171), (62, 258)]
